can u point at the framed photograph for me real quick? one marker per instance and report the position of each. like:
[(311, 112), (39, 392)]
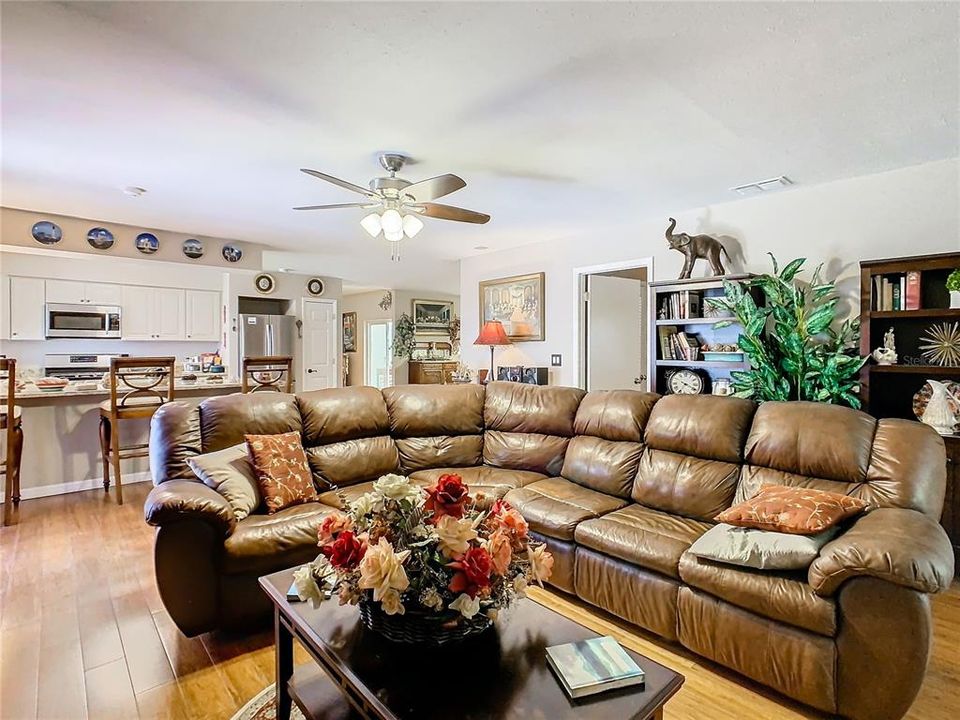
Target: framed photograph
[(510, 373), (517, 302), (432, 317), (349, 332)]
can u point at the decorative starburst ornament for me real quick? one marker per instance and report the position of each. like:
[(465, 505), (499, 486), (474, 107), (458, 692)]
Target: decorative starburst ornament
[(940, 345)]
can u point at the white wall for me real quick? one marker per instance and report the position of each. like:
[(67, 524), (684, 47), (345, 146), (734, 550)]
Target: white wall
[(909, 211)]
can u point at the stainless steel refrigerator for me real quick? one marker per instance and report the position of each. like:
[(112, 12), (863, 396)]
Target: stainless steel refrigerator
[(262, 335)]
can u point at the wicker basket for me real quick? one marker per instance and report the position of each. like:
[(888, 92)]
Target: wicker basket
[(417, 627)]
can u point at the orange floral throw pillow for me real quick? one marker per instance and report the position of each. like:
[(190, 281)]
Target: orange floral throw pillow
[(796, 510), (283, 473)]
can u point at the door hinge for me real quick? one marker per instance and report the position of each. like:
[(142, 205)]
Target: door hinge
[(586, 296)]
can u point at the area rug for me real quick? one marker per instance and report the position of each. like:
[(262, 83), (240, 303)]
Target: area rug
[(263, 707)]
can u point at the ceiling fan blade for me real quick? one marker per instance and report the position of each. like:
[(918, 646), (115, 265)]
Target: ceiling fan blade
[(337, 205), (435, 187), (341, 183), (449, 212)]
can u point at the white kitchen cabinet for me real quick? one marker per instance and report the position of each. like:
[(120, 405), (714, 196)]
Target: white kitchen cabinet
[(26, 308), (83, 293), (202, 315), (152, 313)]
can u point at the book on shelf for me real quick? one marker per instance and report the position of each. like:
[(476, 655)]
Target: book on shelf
[(912, 292), (682, 305), (666, 344), (591, 666), (896, 292), (678, 345)]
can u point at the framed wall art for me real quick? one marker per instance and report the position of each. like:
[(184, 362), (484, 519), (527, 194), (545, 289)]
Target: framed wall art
[(432, 317), (349, 332), (517, 302)]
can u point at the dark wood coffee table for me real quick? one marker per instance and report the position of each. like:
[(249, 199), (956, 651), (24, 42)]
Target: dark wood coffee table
[(500, 674)]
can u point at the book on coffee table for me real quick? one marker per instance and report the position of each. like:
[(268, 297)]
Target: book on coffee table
[(592, 666)]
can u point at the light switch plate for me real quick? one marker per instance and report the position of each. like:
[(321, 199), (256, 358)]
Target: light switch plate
[(556, 360)]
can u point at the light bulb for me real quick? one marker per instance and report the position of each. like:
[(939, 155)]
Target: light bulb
[(371, 223), (412, 225), (393, 236), (391, 221)]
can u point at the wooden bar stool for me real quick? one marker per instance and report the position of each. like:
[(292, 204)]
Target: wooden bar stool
[(13, 440), (271, 372), (138, 386)]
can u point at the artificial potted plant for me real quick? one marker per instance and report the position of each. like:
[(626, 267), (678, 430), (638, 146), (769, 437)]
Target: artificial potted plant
[(953, 285)]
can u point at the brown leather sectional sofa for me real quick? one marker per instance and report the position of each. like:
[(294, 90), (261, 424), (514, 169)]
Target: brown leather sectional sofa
[(618, 484)]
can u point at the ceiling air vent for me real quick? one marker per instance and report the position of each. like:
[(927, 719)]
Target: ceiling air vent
[(763, 186)]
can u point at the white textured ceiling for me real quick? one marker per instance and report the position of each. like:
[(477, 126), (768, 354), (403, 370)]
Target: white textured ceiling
[(558, 115)]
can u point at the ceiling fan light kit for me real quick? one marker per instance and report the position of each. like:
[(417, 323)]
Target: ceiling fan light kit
[(398, 203)]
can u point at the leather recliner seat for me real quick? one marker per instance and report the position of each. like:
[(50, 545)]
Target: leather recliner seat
[(618, 485)]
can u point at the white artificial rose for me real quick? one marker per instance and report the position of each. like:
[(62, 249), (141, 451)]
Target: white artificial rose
[(390, 602), (381, 569), (397, 487), (307, 588), (466, 605), (366, 504), (454, 535)]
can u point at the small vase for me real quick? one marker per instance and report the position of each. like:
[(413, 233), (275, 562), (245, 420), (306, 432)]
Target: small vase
[(955, 299)]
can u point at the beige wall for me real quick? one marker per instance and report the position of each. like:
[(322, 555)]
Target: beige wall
[(366, 306)]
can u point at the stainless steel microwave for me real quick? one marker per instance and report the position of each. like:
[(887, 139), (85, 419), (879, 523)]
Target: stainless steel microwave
[(82, 321)]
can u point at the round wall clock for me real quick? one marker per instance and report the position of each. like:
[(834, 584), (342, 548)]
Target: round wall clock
[(147, 243), (264, 283), (686, 382), (193, 248), (231, 253), (315, 286), (46, 232), (100, 238)]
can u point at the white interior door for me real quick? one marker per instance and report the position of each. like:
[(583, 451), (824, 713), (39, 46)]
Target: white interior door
[(616, 333), (378, 363), (321, 337)]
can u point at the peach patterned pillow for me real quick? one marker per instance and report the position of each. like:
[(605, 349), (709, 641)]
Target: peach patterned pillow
[(797, 510), (283, 473)]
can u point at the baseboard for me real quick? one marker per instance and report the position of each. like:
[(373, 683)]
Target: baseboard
[(31, 493)]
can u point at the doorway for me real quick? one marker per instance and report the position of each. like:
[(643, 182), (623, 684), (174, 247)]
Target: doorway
[(321, 340), (378, 354), (612, 333)]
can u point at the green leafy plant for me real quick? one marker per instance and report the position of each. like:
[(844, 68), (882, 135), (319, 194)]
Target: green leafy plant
[(403, 339), (953, 281), (795, 349)]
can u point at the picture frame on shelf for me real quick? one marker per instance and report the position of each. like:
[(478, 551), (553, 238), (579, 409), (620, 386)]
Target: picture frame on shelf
[(518, 303), (432, 317), (349, 325)]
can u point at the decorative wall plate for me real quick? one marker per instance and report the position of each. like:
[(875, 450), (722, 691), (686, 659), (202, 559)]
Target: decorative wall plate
[(46, 232), (315, 286), (147, 243), (922, 397), (100, 238), (264, 283), (231, 253), (193, 248)]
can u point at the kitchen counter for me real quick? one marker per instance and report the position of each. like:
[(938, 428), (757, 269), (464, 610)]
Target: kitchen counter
[(31, 392)]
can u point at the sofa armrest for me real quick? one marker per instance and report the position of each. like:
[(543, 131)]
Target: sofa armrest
[(901, 546), (179, 500)]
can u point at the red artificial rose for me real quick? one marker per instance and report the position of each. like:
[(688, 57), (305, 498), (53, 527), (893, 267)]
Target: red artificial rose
[(473, 572), (447, 497), (345, 552)]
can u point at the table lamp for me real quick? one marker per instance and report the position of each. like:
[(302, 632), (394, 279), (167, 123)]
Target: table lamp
[(492, 334)]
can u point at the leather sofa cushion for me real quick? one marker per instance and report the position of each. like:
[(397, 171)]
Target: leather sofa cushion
[(262, 543), (427, 410), (525, 451), (421, 453), (555, 506), (614, 414), (907, 468), (607, 466), (226, 419), (685, 484), (339, 414), (520, 408), (174, 438), (642, 536), (704, 426), (782, 596), (352, 461), (352, 492), (492, 482)]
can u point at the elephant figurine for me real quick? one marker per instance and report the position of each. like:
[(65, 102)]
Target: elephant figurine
[(694, 247)]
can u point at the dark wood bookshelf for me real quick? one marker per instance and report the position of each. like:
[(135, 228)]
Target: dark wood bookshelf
[(888, 390), (702, 327)]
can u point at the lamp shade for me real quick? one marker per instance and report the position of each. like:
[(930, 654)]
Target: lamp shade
[(492, 333)]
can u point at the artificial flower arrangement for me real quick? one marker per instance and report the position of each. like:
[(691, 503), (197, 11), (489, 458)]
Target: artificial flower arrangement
[(431, 551)]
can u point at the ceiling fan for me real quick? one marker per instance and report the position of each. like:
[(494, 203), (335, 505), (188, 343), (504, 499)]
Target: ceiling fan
[(398, 204)]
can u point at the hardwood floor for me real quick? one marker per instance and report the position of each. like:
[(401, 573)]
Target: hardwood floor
[(83, 633)]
